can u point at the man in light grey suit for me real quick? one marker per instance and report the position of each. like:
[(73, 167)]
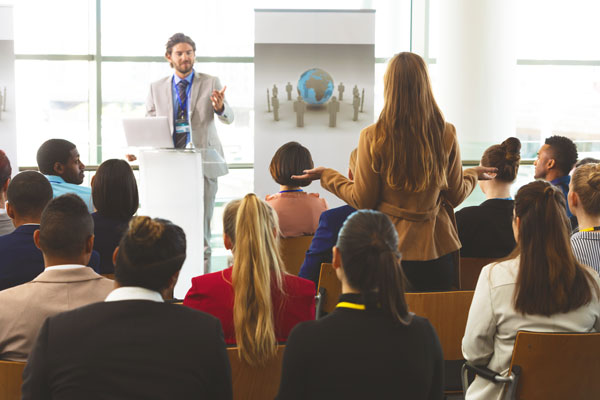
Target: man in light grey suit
[(190, 100)]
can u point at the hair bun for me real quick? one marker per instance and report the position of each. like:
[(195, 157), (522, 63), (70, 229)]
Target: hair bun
[(145, 230), (594, 178), (512, 146)]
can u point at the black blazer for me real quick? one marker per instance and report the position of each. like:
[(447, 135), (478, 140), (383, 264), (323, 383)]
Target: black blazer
[(486, 230), (132, 349), (107, 235), (354, 354)]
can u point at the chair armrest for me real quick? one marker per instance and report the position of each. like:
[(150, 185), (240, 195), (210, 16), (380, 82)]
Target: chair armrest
[(321, 296), (482, 371)]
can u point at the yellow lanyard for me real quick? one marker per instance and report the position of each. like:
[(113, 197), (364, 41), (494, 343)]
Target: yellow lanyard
[(596, 228), (354, 306)]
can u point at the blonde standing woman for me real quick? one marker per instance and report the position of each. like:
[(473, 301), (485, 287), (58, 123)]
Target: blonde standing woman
[(409, 168), (257, 302)]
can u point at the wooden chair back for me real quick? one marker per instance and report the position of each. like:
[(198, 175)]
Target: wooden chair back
[(557, 365), (469, 270), (11, 379), (293, 251), (258, 383), (109, 276), (447, 312), (333, 288)]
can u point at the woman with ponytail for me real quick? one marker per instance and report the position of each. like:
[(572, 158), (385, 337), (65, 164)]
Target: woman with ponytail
[(541, 287), (584, 202), (257, 302), (370, 346), (486, 230)]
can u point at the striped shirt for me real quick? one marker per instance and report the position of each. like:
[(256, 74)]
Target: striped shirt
[(586, 247)]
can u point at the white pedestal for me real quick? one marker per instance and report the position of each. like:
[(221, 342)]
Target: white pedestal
[(172, 187)]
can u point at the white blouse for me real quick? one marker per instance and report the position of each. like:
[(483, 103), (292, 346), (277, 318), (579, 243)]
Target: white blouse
[(493, 323)]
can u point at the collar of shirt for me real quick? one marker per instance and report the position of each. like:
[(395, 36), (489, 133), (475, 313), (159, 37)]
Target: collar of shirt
[(134, 293), (55, 179), (65, 266), (177, 79), (563, 180)]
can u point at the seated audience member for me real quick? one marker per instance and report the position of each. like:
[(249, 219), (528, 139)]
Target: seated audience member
[(6, 225), (133, 345), (257, 302), (21, 260), (115, 196), (330, 223), (297, 210), (486, 230), (555, 160), (58, 159), (543, 288), (66, 238), (370, 346), (584, 200)]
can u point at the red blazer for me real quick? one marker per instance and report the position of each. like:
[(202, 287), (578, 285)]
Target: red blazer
[(213, 293)]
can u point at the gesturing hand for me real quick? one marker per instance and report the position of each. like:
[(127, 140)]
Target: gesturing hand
[(312, 174), (485, 173), (217, 97)]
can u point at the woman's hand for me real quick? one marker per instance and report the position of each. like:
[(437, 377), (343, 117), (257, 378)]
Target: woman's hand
[(312, 174), (484, 173)]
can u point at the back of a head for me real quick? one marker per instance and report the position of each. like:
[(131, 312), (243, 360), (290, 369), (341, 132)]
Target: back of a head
[(408, 148), (51, 152), (28, 193), (368, 244), (114, 190), (257, 266), (550, 280), (505, 157), (150, 253), (65, 227), (564, 152), (291, 159), (586, 183), (229, 218), (587, 160), (5, 169)]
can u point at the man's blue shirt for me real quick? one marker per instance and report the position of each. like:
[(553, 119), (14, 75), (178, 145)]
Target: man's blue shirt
[(60, 187)]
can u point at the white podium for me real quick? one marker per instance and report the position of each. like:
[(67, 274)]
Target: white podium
[(172, 187)]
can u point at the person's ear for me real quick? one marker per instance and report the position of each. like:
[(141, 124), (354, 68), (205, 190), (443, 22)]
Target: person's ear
[(5, 186), (551, 163), (92, 181), (114, 256), (58, 168), (227, 241), (10, 211), (337, 258), (36, 238), (572, 199), (89, 244)]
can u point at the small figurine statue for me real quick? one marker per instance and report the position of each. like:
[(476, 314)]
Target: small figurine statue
[(275, 103), (268, 101), (299, 109), (341, 91), (356, 106), (288, 89), (333, 107)]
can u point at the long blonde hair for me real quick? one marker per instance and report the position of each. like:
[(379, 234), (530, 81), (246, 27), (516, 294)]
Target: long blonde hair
[(408, 149), (257, 266)]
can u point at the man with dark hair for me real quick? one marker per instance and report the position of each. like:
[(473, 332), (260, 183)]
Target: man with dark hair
[(6, 225), (133, 345), (28, 193), (555, 160), (66, 238), (59, 160), (190, 100)]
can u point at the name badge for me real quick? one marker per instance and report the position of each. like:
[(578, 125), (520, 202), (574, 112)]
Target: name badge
[(182, 126)]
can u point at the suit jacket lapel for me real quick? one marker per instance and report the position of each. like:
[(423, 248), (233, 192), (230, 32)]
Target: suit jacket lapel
[(169, 94), (196, 88)]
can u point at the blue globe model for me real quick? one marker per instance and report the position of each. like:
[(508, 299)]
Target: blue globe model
[(315, 86)]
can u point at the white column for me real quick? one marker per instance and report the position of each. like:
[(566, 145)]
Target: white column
[(476, 71), (8, 123)]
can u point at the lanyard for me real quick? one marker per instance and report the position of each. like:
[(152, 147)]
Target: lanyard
[(596, 228), (183, 106), (288, 191), (347, 304), (502, 198)]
